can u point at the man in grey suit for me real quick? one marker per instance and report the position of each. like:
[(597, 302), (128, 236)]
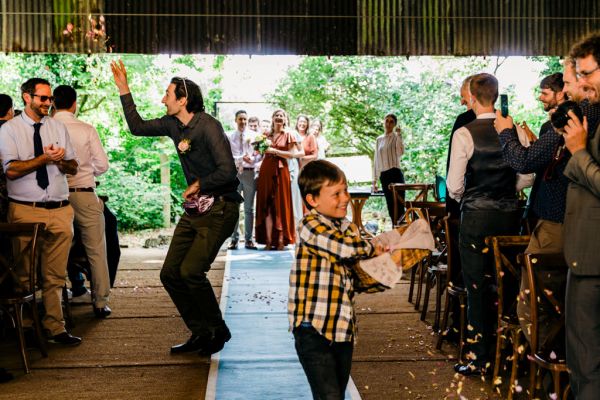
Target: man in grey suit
[(582, 219)]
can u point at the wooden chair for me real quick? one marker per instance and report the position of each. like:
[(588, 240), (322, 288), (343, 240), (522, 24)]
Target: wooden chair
[(538, 290), (436, 265), (399, 195), (13, 300), (454, 293), (505, 250), (409, 216)]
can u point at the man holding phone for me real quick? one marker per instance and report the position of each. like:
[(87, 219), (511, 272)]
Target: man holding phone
[(37, 154), (484, 185)]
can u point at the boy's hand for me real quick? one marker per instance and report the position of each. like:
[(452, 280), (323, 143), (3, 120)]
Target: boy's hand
[(380, 249)]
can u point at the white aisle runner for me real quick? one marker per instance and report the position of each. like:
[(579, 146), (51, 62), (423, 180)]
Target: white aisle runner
[(259, 362)]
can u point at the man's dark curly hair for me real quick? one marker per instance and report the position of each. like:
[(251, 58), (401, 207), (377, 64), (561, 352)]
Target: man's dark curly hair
[(586, 46)]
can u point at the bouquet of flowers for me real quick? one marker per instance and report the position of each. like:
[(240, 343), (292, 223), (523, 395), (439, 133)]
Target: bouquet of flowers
[(261, 144)]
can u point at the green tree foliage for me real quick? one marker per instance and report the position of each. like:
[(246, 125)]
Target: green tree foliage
[(351, 95), (133, 180)]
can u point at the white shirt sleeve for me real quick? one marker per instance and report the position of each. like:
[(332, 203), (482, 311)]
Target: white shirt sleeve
[(461, 152), (99, 159)]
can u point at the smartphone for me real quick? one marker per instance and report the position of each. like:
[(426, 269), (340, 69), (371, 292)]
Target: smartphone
[(504, 105)]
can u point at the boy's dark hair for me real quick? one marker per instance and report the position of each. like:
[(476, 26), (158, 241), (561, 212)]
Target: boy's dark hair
[(484, 87), (553, 82), (187, 88), (586, 46), (315, 175), (6, 104), (253, 119), (64, 97), (238, 112), (30, 84)]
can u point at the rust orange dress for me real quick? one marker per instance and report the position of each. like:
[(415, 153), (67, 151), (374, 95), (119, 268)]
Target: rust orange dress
[(309, 143), (274, 218)]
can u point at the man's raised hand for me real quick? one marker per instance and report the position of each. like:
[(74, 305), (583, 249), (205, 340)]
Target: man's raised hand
[(120, 76)]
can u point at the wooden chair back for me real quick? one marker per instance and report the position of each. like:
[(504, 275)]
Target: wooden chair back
[(10, 263), (399, 195)]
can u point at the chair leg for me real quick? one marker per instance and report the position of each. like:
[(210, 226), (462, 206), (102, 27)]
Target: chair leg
[(444, 325), (440, 286), (38, 330), (556, 379), (413, 272), (21, 337), (498, 355), (422, 268), (516, 338), (428, 283), (532, 379)]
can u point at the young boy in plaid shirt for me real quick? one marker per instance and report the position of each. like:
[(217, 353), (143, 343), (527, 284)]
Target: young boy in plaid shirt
[(321, 305)]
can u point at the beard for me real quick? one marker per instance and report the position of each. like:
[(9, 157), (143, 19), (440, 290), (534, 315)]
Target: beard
[(40, 110)]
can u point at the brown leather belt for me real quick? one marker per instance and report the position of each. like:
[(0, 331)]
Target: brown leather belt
[(88, 189), (41, 204)]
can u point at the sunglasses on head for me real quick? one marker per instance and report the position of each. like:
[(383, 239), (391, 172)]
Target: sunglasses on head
[(184, 85), (43, 99)]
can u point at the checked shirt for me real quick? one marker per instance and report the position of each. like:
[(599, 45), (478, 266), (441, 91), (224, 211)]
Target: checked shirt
[(321, 286)]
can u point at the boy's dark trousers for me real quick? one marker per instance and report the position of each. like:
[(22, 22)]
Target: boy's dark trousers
[(195, 245), (326, 364)]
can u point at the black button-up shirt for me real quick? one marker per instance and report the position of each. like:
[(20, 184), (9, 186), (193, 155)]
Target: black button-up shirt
[(209, 156)]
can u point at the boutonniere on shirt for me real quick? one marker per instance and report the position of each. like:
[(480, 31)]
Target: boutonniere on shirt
[(184, 146)]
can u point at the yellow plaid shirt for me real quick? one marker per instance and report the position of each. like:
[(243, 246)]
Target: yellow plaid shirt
[(321, 286)]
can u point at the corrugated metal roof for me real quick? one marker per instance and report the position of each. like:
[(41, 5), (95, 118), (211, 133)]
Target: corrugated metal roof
[(365, 27)]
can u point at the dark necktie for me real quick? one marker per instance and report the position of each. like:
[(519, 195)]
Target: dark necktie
[(42, 173)]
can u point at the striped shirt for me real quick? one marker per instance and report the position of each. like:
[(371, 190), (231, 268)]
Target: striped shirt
[(388, 151), (321, 285)]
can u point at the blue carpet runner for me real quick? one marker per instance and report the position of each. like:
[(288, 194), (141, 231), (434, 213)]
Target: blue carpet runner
[(259, 362)]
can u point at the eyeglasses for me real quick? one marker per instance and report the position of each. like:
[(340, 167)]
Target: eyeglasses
[(585, 74), (184, 85), (43, 99)]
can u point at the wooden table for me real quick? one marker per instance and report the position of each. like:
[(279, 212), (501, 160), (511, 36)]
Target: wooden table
[(358, 198)]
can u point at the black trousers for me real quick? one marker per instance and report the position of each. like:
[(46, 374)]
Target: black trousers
[(478, 273), (393, 175), (195, 245), (583, 335), (326, 365)]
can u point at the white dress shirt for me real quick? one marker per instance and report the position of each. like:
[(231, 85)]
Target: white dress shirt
[(241, 145), (462, 151), (16, 144), (88, 148)]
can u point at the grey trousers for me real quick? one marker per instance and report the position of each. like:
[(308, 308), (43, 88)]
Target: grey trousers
[(89, 219), (583, 335), (247, 188)]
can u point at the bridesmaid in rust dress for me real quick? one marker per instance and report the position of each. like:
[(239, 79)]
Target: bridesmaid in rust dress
[(274, 218)]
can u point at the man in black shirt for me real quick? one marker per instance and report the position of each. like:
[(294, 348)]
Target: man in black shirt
[(205, 156)]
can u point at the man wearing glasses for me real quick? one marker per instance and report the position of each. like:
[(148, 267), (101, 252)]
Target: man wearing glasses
[(582, 215), (205, 155), (37, 154)]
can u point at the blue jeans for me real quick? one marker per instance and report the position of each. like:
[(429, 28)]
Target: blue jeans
[(326, 364)]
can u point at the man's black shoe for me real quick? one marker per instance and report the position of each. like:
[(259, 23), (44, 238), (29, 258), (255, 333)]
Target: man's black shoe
[(232, 245), (194, 343), (216, 344), (251, 246), (102, 312), (65, 339), (469, 369), (5, 376)]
